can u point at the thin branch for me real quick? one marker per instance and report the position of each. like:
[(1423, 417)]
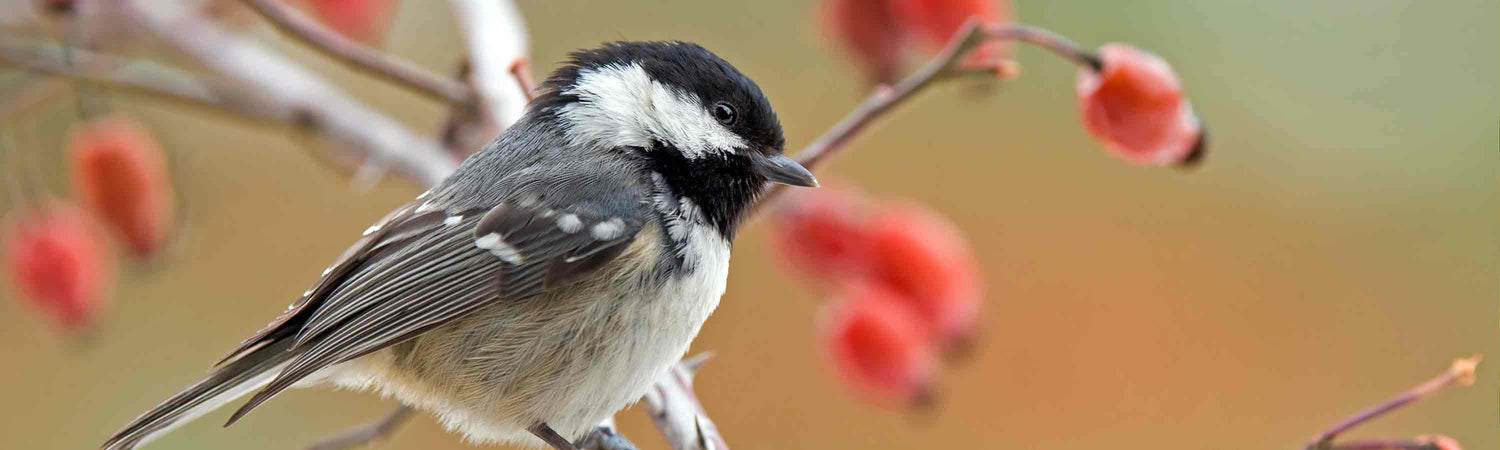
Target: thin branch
[(284, 83), (1046, 39), (117, 73), (677, 412), (366, 434), (885, 98), (360, 56), (497, 38), (467, 128), (1462, 371), (1385, 444), (521, 69), (946, 65)]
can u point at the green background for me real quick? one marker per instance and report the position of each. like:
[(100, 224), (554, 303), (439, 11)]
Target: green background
[(1339, 244)]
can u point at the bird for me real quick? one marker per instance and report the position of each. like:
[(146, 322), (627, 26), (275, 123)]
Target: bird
[(552, 277)]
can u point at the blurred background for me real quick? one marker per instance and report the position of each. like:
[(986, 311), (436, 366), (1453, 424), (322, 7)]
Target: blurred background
[(1338, 245)]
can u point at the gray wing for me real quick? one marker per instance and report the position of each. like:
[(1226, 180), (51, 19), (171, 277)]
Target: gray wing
[(431, 266)]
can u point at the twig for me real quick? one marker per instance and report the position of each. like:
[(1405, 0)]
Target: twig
[(113, 72), (945, 65), (467, 129), (293, 88), (497, 38), (521, 69), (360, 56), (1462, 371), (677, 413), (1385, 444), (1046, 39), (366, 434)]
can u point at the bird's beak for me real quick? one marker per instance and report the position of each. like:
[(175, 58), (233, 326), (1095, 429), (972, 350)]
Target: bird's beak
[(781, 169)]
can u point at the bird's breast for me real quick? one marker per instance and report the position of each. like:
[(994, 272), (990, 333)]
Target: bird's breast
[(642, 335), (569, 358)]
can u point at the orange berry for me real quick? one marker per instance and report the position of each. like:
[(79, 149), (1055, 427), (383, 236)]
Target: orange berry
[(54, 261), (361, 20), (120, 175), (936, 21), (822, 232), (869, 32), (924, 258), (876, 345), (1135, 106)]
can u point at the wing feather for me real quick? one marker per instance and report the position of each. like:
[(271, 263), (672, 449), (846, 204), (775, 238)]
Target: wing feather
[(426, 270)]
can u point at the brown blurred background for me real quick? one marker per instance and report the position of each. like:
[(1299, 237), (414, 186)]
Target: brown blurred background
[(1339, 244)]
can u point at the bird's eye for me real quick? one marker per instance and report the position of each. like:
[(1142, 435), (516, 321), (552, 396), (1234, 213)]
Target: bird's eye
[(724, 113)]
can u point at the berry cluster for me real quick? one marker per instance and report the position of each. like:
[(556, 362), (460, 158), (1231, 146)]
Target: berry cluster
[(52, 251), (906, 288)]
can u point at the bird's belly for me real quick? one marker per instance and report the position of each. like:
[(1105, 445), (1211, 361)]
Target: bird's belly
[(570, 361)]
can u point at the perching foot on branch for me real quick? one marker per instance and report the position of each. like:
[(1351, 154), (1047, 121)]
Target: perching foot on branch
[(367, 433), (605, 437)]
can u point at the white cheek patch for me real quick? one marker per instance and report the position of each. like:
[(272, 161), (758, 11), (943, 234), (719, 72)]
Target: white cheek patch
[(623, 106)]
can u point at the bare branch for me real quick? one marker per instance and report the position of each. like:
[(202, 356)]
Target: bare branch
[(130, 76), (945, 65), (286, 84), (1385, 444), (1041, 37), (368, 433), (497, 39), (521, 69), (466, 130), (677, 413), (359, 56), (1462, 371)]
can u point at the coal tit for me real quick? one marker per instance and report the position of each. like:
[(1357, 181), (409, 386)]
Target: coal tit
[(553, 277)]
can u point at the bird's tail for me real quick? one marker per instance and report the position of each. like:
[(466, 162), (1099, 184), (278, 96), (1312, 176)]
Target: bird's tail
[(226, 383)]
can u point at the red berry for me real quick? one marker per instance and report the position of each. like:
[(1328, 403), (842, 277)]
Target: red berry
[(869, 32), (936, 21), (54, 261), (876, 345), (1135, 106), (120, 175), (361, 20), (924, 258), (822, 232)]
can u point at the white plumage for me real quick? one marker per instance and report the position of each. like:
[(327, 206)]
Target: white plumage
[(622, 105)]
